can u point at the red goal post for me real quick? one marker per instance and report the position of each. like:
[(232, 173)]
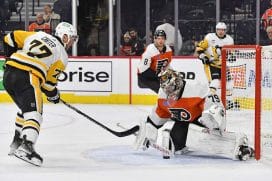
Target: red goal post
[(241, 83)]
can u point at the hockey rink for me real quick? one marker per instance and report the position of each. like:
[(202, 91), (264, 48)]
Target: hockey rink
[(74, 148)]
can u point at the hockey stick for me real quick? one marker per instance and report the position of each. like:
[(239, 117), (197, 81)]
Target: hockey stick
[(166, 153), (116, 133)]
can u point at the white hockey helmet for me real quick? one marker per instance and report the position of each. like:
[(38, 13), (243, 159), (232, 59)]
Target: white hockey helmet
[(68, 29), (221, 25), (171, 83)]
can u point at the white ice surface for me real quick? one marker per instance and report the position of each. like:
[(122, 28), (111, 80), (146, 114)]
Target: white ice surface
[(74, 148)]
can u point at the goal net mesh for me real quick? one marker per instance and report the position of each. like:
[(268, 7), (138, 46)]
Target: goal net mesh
[(247, 94)]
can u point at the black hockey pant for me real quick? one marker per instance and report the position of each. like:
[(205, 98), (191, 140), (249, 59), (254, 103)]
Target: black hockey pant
[(24, 89)]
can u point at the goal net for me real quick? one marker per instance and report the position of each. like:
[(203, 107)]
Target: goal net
[(246, 90)]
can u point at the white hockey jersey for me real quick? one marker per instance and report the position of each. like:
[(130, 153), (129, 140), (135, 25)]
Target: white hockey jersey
[(211, 46), (155, 60), (39, 53)]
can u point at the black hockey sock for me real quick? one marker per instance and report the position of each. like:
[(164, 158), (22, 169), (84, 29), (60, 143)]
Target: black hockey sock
[(179, 134)]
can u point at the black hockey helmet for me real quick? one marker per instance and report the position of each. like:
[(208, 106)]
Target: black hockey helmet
[(159, 33)]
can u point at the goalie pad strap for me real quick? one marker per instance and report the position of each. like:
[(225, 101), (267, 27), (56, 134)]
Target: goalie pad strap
[(153, 124)]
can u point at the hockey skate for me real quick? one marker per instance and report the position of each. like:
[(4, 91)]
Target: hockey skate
[(16, 142), (27, 153), (168, 144), (245, 152), (182, 151)]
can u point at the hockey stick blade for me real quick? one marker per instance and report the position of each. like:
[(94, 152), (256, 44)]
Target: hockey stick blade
[(116, 133)]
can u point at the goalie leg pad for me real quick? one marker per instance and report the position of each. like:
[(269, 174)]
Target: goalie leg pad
[(179, 134), (228, 144), (147, 133), (166, 142)]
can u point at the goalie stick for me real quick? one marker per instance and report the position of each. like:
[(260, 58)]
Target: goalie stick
[(164, 151), (116, 133)]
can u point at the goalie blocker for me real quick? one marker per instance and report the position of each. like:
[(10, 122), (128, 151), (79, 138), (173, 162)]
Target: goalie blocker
[(182, 102)]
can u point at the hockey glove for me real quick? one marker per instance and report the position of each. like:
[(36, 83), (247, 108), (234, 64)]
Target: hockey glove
[(54, 96), (203, 57)]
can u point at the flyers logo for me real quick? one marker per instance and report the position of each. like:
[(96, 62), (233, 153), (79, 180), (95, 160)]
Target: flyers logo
[(180, 114)]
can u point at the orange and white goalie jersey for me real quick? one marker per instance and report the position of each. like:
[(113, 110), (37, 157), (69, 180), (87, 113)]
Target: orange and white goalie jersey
[(211, 46), (155, 60), (188, 107), (39, 53)]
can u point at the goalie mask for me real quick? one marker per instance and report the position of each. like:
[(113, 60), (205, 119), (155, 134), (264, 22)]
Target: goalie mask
[(171, 83)]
